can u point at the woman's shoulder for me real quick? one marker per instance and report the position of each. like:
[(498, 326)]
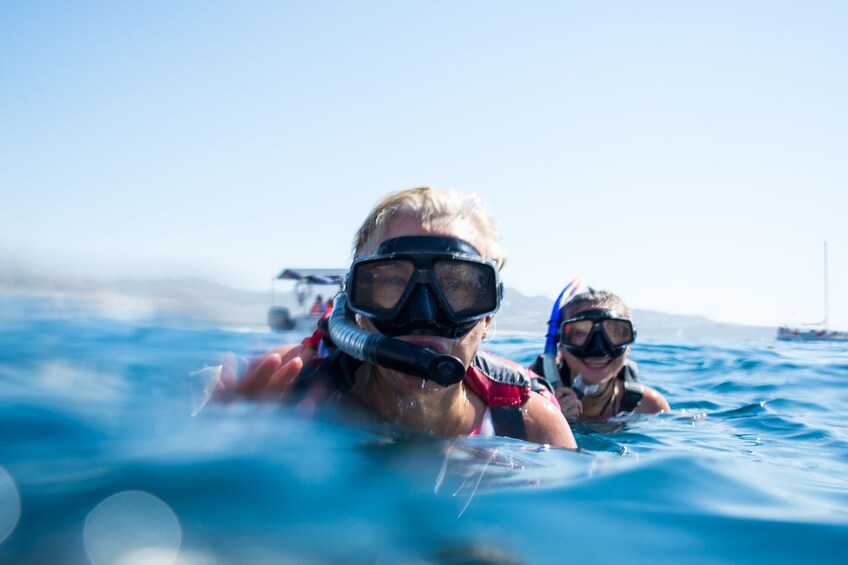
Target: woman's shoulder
[(653, 402), (545, 423)]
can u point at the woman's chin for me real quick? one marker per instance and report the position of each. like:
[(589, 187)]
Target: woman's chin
[(408, 385)]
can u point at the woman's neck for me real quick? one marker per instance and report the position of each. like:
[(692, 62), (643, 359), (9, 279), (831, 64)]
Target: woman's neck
[(601, 404), (432, 409)]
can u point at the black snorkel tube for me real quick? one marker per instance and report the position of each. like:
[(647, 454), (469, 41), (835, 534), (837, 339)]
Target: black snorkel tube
[(388, 352), (549, 358)]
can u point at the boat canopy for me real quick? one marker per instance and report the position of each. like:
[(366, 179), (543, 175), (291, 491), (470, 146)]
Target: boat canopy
[(314, 276)]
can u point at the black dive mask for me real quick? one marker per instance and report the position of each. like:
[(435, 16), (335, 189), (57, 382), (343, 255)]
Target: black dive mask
[(424, 285), (596, 333)]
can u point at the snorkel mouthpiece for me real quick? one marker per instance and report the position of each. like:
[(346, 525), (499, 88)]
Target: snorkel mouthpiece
[(446, 370), (580, 389), (391, 353)]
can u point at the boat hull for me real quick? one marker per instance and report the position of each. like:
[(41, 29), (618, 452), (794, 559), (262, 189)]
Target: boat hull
[(797, 334)]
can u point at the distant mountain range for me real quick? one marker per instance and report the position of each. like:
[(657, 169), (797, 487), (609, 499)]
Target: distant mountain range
[(520, 313), (193, 300)]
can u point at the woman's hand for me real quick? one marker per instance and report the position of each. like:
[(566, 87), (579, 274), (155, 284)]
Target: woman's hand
[(268, 377), (570, 405)]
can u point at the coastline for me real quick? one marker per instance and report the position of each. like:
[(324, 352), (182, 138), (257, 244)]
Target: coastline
[(199, 302)]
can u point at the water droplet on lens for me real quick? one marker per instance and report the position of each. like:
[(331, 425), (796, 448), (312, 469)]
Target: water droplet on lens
[(132, 527), (10, 504)]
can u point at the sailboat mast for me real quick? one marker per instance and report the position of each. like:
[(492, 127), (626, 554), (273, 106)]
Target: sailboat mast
[(825, 285)]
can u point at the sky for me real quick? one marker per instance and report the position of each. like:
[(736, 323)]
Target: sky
[(690, 156)]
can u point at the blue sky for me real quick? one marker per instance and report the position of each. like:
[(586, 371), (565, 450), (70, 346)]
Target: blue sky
[(689, 156)]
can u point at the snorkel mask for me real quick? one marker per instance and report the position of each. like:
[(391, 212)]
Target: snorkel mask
[(415, 286), (424, 285), (596, 333)]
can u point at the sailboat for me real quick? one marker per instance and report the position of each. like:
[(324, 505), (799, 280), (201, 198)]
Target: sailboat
[(817, 331)]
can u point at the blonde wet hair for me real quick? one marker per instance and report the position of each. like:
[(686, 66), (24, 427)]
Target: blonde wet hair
[(432, 207)]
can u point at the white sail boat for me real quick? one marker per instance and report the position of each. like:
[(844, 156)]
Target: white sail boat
[(817, 331)]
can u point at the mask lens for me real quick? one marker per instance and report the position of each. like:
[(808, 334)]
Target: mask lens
[(424, 285), (469, 288), (619, 332), (577, 332), (379, 286)]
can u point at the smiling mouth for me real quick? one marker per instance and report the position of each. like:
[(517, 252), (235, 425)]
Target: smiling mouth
[(597, 362)]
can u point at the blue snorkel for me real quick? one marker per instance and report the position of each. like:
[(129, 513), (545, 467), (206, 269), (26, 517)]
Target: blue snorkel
[(549, 358), (388, 352)]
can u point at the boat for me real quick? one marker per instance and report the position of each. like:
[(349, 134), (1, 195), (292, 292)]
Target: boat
[(817, 331), (787, 333), (303, 284)]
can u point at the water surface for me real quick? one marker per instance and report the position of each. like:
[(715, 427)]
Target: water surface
[(103, 461)]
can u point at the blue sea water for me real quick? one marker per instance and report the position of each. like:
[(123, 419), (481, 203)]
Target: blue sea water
[(105, 457)]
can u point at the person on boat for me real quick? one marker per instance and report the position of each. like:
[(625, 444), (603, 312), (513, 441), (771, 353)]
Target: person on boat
[(318, 307), (318, 346), (594, 379), (418, 301)]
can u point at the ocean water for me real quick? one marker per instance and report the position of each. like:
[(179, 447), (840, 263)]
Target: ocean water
[(107, 457)]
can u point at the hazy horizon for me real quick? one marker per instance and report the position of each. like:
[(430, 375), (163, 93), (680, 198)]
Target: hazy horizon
[(131, 298)]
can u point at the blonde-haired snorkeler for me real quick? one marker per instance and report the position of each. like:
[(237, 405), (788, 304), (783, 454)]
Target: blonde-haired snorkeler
[(407, 329), (594, 379)]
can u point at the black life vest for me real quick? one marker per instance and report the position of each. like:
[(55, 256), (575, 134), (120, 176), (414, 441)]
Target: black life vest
[(629, 375), (504, 386)]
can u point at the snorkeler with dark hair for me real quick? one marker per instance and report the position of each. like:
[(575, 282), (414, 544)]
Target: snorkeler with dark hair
[(592, 377)]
